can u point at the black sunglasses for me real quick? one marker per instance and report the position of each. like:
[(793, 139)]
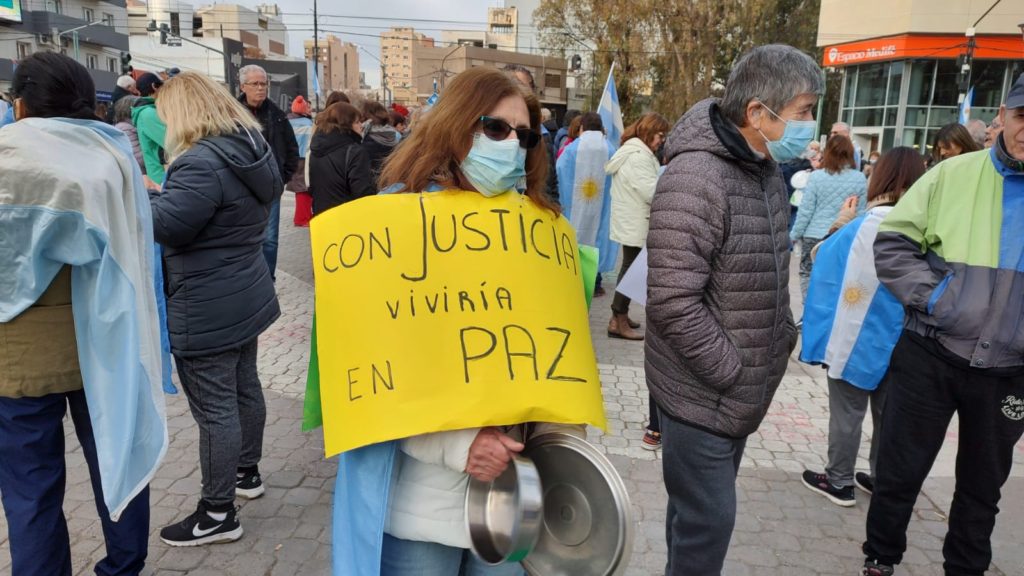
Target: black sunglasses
[(498, 129)]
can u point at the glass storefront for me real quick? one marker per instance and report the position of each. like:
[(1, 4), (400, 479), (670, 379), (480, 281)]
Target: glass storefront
[(904, 103)]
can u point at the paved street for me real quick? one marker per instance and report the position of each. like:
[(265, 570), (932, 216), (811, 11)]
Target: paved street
[(782, 528)]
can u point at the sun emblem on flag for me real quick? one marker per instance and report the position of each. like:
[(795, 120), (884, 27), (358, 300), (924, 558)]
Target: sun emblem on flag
[(854, 295), (589, 189)]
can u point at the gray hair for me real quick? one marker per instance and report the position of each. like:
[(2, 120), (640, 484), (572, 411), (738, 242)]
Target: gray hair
[(772, 74), (123, 108), (977, 128), (244, 72)]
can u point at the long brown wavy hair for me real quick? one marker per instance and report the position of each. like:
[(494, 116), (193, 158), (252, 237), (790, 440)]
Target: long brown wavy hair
[(442, 137)]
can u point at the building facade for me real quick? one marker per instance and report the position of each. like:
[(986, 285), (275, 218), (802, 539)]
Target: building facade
[(396, 48), (94, 32), (438, 65), (339, 63), (899, 62), (261, 31)]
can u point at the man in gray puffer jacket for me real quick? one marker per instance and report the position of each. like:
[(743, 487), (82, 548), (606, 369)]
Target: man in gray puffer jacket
[(720, 330)]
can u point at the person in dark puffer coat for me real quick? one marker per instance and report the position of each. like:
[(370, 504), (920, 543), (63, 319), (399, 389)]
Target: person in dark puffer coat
[(211, 218), (339, 166), (719, 327)]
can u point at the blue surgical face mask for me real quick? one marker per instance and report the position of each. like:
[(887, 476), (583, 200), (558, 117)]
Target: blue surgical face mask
[(797, 135), (494, 167)]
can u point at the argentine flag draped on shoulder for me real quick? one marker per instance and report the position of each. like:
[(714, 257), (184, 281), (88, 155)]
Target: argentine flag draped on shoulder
[(90, 211), (851, 322), (584, 189)]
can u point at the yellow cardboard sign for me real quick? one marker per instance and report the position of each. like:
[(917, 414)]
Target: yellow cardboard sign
[(449, 310)]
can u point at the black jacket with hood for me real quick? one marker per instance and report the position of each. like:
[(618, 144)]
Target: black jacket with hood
[(339, 169), (210, 219)]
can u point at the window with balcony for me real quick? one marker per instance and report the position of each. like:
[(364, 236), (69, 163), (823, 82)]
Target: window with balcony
[(88, 14), (24, 50), (91, 61), (58, 6), (108, 19), (176, 23), (112, 65)]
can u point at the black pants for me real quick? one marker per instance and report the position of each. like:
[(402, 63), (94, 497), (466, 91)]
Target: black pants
[(226, 399), (620, 303), (927, 386)]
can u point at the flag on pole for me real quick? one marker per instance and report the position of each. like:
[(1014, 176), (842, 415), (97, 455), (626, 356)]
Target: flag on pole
[(965, 108), (611, 115), (316, 79)]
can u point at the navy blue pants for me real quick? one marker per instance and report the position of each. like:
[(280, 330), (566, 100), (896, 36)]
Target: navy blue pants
[(270, 241), (32, 478)]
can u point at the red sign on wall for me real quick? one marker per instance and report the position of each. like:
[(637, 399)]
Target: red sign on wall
[(906, 46)]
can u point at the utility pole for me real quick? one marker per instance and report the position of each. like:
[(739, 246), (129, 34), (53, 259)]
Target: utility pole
[(316, 53), (966, 61)]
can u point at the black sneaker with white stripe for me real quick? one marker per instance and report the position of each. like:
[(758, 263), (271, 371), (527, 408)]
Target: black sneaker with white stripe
[(200, 528), (249, 484)]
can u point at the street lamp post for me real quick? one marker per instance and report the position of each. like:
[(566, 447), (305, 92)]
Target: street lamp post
[(593, 67), (444, 73), (968, 58), (165, 31), (74, 35)]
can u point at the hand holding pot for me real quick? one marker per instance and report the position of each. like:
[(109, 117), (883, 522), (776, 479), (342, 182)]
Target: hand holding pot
[(490, 454)]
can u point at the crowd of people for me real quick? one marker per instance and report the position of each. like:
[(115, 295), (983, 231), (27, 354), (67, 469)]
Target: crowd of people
[(909, 272)]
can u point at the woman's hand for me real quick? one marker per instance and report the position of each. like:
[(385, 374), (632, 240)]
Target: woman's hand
[(849, 210), (490, 453)]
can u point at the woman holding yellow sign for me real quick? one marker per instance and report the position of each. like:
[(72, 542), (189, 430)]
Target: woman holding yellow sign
[(482, 136)]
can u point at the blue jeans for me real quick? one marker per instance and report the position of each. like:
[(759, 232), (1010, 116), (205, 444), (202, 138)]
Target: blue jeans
[(32, 479), (411, 558), (270, 240)]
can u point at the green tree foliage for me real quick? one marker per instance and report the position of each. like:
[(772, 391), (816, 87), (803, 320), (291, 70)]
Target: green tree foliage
[(677, 51)]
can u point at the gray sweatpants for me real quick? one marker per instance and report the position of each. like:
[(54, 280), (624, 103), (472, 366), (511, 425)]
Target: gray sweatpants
[(700, 470), (226, 399), (847, 406)]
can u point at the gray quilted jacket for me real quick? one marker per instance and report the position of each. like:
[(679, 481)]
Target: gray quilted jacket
[(719, 327)]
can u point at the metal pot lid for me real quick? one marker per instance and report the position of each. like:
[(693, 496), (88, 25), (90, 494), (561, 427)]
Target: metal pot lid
[(504, 516), (587, 526)]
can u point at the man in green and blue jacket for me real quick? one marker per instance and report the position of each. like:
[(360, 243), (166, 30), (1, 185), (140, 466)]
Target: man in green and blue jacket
[(952, 251)]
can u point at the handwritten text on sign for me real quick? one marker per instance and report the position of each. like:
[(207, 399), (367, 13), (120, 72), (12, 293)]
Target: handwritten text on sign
[(448, 310)]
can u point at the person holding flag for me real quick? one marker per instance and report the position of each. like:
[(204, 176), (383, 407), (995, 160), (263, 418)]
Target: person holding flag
[(851, 325)]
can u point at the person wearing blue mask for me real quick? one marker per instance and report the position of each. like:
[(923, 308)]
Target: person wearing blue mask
[(719, 327), (483, 136)]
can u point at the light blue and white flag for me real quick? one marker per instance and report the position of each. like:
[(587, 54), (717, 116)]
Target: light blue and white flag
[(316, 80), (965, 107), (851, 322), (584, 193), (611, 115), (93, 215)]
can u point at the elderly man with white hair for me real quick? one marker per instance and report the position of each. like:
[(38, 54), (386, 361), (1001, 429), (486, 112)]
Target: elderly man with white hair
[(277, 130), (719, 325), (843, 129)]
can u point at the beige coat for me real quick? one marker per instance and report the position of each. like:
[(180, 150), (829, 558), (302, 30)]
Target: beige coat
[(634, 172), (38, 352)]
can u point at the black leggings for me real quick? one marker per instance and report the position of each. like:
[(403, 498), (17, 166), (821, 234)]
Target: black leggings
[(620, 303)]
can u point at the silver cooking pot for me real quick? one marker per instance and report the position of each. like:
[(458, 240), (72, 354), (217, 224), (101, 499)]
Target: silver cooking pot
[(560, 509)]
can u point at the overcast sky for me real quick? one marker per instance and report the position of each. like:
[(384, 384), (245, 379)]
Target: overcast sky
[(374, 17)]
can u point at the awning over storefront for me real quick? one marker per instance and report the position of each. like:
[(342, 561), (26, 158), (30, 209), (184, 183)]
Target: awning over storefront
[(910, 46)]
